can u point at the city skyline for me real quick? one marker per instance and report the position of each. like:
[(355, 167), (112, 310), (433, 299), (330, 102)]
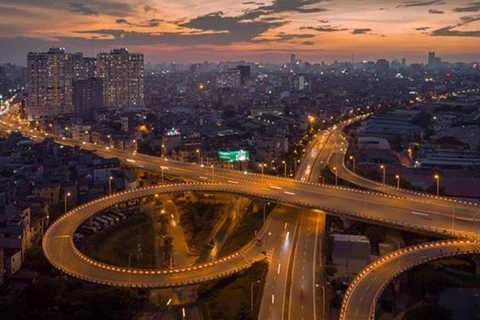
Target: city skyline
[(184, 31)]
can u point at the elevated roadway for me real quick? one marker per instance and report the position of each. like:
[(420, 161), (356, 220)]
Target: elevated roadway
[(363, 292), (399, 208), (61, 252)]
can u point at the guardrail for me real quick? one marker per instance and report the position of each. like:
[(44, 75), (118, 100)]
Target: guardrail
[(85, 211), (473, 248), (396, 190)]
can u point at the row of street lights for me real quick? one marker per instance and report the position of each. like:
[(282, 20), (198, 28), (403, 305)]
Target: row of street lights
[(397, 177), (264, 165), (436, 177)]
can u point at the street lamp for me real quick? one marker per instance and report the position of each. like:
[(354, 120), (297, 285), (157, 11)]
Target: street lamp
[(353, 160), (398, 181), (251, 293), (68, 194), (262, 165), (198, 155), (213, 171), (336, 175), (164, 150), (324, 302), (437, 178), (383, 172), (110, 185), (163, 168), (284, 168), (129, 258)]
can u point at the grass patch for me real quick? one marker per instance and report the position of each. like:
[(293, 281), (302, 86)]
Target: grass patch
[(243, 234), (245, 231), (115, 245), (198, 220), (230, 298)]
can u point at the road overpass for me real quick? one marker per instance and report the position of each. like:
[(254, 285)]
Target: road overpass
[(61, 252), (398, 208), (363, 292)]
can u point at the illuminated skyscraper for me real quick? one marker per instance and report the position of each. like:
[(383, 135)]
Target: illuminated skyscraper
[(50, 83), (122, 74), (87, 96)]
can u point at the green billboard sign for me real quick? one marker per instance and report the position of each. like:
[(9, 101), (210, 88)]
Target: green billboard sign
[(232, 156)]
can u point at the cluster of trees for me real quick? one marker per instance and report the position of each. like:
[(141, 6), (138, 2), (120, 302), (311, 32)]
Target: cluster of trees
[(48, 298), (198, 220)]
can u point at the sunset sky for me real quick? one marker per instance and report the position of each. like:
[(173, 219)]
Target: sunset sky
[(220, 30)]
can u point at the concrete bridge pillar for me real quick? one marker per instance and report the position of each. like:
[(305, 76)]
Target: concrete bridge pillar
[(255, 207), (346, 223), (476, 259)]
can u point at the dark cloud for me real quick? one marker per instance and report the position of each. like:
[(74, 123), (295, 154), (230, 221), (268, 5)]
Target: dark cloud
[(85, 7), (282, 6), (468, 19), (236, 27), (421, 3), (324, 21), (422, 28), (471, 7), (253, 2), (81, 8), (326, 28), (361, 31), (212, 29), (284, 37), (149, 9), (146, 24), (4, 10), (449, 31), (435, 11), (308, 43)]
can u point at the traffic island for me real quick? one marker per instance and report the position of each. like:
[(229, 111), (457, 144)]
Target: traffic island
[(236, 297)]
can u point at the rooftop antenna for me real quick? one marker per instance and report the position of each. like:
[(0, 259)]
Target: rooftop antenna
[(92, 48)]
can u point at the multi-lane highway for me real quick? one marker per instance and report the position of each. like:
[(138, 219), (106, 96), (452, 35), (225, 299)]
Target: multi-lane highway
[(410, 211), (275, 288), (300, 238)]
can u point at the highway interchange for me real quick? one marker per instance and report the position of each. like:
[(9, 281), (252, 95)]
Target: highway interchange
[(398, 208)]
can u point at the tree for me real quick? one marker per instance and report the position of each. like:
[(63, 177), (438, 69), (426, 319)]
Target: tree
[(44, 291), (429, 279), (330, 270), (427, 312), (112, 303), (35, 260), (423, 119), (376, 235)]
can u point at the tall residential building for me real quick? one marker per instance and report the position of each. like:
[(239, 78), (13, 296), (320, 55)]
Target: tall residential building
[(50, 83), (244, 74), (230, 78), (3, 80), (293, 60), (122, 74), (431, 57), (87, 96), (12, 77)]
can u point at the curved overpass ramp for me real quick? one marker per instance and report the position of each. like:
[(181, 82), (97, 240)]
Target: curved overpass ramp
[(363, 292), (61, 252)]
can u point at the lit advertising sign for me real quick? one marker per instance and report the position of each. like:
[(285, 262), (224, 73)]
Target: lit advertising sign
[(172, 132), (231, 156)]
